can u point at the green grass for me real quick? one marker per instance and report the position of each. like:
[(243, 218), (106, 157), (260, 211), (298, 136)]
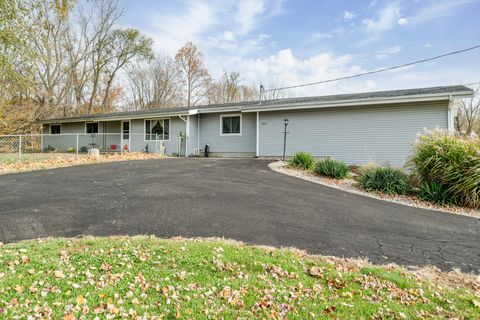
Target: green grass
[(7, 158), (143, 276)]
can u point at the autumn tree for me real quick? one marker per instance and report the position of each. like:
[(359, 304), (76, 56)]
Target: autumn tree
[(229, 89), (194, 75), (155, 84)]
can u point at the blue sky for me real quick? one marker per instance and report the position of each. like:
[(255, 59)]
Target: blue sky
[(286, 42)]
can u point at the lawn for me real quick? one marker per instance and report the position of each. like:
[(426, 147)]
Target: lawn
[(8, 158), (155, 279)]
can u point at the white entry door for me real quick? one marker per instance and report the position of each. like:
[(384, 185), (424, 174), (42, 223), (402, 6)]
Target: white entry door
[(125, 135)]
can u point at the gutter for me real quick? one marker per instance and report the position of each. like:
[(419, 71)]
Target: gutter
[(359, 102)]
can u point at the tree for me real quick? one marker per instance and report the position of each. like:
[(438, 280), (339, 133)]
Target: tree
[(193, 72), (125, 46), (228, 89), (155, 84), (468, 119)]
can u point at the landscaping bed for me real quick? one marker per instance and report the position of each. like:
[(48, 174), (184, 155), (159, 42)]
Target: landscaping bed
[(442, 173), (56, 160), (351, 185), (150, 278)]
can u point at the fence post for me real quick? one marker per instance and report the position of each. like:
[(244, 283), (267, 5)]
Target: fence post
[(156, 142), (20, 147), (77, 146)]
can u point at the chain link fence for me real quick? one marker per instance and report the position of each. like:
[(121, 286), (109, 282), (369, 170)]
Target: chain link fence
[(19, 148)]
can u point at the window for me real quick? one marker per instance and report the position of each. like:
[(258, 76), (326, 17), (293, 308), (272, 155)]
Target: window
[(91, 127), (55, 129), (231, 125), (158, 129)]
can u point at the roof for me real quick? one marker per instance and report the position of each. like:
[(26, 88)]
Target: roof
[(350, 99)]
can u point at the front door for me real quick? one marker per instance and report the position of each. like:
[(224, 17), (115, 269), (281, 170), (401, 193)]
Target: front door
[(125, 135)]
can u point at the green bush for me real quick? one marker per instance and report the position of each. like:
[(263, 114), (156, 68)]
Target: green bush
[(332, 168), (71, 150), (385, 179), (451, 161), (434, 192), (302, 160)]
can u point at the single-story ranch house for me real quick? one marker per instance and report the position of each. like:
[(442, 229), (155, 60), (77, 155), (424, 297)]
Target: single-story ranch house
[(356, 128)]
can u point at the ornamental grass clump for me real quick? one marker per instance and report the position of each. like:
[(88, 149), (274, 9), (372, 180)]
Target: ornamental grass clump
[(384, 179), (451, 161), (331, 168), (302, 160)]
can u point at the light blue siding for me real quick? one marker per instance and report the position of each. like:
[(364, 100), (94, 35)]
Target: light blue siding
[(358, 135), (224, 145)]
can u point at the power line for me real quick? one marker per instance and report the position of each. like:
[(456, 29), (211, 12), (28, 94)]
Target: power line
[(377, 71)]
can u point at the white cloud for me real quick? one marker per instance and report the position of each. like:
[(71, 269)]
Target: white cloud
[(171, 31), (250, 13), (285, 68), (385, 53), (437, 9), (322, 35), (228, 36), (426, 45), (349, 15), (247, 13), (402, 21), (372, 3), (387, 18)]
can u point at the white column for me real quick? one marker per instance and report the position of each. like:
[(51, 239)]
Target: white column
[(258, 135), (187, 135), (198, 133), (452, 113)]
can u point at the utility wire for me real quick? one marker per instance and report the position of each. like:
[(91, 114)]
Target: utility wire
[(377, 71)]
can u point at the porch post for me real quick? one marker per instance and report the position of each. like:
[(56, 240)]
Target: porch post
[(187, 135), (198, 133), (258, 136), (77, 146)]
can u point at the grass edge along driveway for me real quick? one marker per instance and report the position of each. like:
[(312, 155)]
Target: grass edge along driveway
[(126, 277)]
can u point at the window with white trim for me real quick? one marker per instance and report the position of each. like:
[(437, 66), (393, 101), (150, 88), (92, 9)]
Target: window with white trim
[(91, 127), (231, 124), (55, 129), (157, 129)]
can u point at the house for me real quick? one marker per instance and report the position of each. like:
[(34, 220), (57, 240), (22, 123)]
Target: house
[(355, 128)]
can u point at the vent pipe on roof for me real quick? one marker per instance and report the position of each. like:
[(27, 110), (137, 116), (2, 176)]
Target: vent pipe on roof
[(262, 92)]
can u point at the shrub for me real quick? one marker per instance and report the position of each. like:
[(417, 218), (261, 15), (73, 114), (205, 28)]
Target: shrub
[(49, 149), (71, 150), (302, 160), (332, 168), (434, 192), (451, 161), (385, 179), (84, 149)]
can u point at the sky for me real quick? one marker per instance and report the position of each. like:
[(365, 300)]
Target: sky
[(288, 42)]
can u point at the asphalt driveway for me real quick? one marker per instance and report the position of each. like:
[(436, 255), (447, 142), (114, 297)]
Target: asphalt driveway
[(239, 199)]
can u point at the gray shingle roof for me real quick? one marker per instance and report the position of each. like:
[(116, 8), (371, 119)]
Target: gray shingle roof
[(458, 89)]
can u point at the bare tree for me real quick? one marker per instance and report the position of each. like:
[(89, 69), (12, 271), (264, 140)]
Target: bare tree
[(48, 21), (193, 72), (273, 91), (468, 119), (228, 89), (156, 84)]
